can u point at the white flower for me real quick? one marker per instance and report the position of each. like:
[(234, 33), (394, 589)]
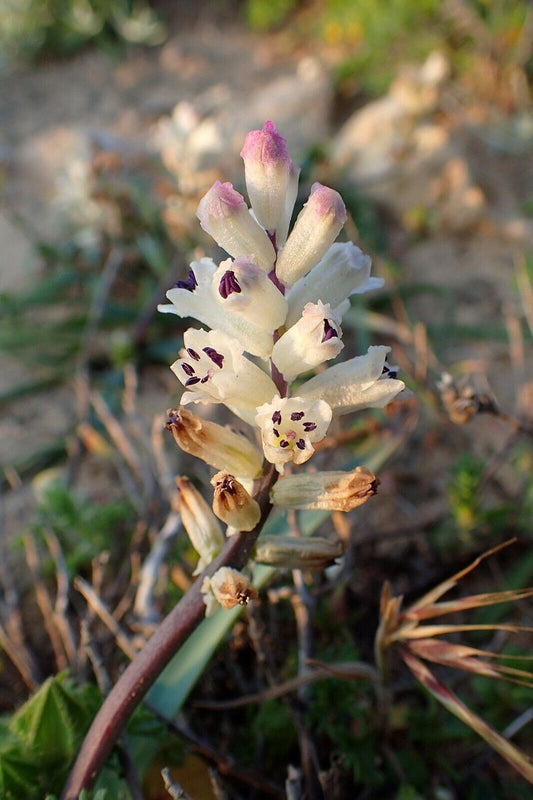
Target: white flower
[(288, 426), (315, 338), (196, 297), (212, 368), (362, 382), (225, 216), (243, 288), (315, 230), (267, 169), (344, 270)]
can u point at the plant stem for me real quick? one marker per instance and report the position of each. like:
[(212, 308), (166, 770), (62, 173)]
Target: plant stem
[(158, 651)]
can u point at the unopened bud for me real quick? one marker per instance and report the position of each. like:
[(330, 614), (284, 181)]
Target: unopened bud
[(267, 168), (297, 553), (232, 503), (228, 587), (225, 216), (214, 444), (200, 523), (318, 225), (331, 491)]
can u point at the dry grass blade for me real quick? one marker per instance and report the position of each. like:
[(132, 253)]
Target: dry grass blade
[(425, 631), (513, 755), (469, 659), (464, 603), (434, 594)]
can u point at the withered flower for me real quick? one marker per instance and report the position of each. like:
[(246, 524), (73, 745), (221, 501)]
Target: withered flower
[(216, 445), (298, 553), (331, 491), (233, 504), (227, 587)]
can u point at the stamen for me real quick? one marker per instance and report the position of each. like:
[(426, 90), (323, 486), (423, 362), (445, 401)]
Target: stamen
[(329, 332), (216, 358), (188, 370), (300, 444), (228, 285), (276, 417), (388, 372), (193, 354), (309, 426), (190, 284), (297, 415), (275, 432), (284, 443), (192, 381)]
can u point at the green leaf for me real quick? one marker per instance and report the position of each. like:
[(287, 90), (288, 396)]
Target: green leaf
[(17, 775), (52, 722)]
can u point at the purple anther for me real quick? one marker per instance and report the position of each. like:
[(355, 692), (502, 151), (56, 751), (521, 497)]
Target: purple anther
[(309, 426), (205, 378), (276, 417), (300, 444), (190, 284), (284, 443), (388, 372), (228, 285), (192, 381), (297, 415), (216, 358), (193, 354), (329, 332), (275, 432), (188, 370)]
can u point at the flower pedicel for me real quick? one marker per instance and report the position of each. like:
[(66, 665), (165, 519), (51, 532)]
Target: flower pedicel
[(275, 312)]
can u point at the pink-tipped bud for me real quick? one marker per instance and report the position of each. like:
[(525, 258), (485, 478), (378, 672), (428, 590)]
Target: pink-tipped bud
[(223, 214), (318, 225), (267, 169)]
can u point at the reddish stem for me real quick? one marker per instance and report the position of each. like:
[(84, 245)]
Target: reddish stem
[(156, 654)]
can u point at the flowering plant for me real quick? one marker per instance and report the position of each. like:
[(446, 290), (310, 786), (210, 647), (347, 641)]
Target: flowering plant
[(275, 311)]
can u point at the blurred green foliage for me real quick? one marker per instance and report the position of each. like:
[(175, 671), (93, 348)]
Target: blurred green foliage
[(85, 528), (375, 37), (29, 28)]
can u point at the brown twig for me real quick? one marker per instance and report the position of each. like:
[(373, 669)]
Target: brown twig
[(160, 648), (99, 607), (45, 603), (62, 596)]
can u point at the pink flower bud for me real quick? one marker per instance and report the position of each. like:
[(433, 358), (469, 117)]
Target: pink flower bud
[(315, 230), (267, 169), (223, 214)]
